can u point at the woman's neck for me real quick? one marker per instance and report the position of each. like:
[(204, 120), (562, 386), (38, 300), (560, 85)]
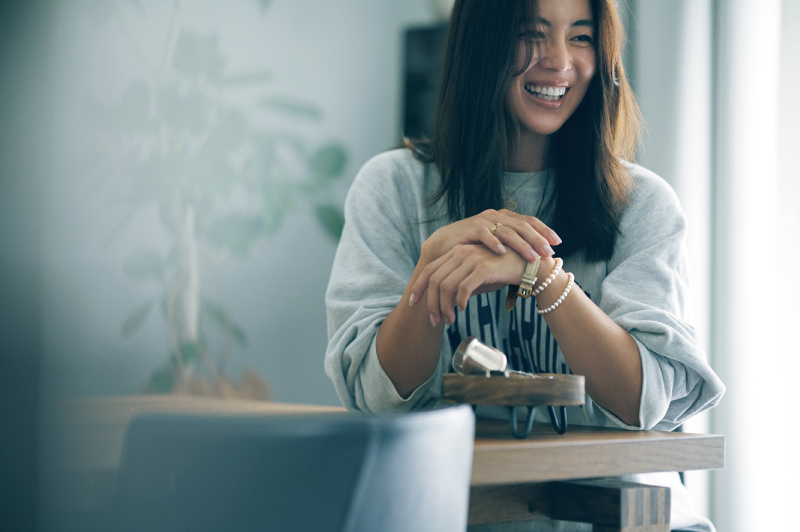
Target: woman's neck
[(530, 154)]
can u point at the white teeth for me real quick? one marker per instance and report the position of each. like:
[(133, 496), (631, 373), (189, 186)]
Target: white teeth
[(550, 94)]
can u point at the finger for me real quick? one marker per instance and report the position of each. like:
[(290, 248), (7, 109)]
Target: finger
[(439, 272), (481, 230), (422, 282), (449, 289), (514, 241), (485, 235), (524, 239), (468, 287), (539, 226)]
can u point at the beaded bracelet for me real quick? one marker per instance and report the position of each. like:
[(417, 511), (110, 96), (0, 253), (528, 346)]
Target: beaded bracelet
[(550, 277), (552, 307)]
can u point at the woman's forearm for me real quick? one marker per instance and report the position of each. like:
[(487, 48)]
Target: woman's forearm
[(408, 344), (594, 346)]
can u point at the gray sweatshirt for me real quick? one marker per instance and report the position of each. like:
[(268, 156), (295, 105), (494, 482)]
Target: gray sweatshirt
[(643, 288)]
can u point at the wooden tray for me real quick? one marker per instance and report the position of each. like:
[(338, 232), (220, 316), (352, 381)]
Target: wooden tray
[(546, 389)]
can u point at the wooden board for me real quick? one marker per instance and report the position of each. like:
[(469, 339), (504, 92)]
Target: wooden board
[(91, 430), (586, 452), (609, 502), (505, 504), (551, 389), (612, 504)]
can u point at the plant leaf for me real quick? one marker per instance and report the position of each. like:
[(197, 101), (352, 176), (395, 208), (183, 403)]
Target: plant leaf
[(136, 319), (292, 107), (222, 318), (162, 380), (198, 56), (190, 352), (329, 161), (332, 220), (237, 233), (143, 263)]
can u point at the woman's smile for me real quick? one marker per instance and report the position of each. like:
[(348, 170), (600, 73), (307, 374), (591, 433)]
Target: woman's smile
[(548, 94)]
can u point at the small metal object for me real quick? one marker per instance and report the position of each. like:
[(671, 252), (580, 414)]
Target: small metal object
[(512, 418), (474, 358), (561, 427)]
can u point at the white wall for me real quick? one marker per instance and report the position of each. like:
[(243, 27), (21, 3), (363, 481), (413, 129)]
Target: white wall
[(730, 153), (342, 56), (672, 75)]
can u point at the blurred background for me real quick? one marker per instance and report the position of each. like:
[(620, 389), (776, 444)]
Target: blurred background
[(173, 175)]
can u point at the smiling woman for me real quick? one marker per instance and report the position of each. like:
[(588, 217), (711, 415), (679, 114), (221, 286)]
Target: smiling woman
[(535, 114)]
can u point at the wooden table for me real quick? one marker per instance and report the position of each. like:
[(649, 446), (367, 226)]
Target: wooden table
[(516, 480), (512, 480)]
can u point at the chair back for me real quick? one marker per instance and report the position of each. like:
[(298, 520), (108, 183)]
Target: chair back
[(337, 472)]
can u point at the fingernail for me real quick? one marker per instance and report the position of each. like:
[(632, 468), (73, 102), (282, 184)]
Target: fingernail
[(447, 320), (532, 255), (548, 250), (411, 300), (555, 238), (500, 248), (433, 320)]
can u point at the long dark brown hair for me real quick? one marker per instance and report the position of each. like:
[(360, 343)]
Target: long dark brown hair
[(475, 132)]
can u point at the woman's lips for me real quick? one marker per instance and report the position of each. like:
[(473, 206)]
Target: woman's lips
[(548, 96), (547, 93)]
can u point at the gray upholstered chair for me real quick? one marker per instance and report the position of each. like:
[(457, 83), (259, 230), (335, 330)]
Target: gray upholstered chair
[(333, 472)]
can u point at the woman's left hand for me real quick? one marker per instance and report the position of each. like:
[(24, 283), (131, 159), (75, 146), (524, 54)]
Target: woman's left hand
[(465, 270)]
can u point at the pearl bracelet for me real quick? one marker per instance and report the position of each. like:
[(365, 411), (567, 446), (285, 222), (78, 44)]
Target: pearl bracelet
[(552, 307), (550, 277)]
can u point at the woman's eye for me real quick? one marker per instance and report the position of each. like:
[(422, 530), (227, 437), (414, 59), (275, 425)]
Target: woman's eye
[(584, 39)]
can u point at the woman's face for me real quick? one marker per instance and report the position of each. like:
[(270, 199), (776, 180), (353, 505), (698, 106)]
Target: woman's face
[(544, 96)]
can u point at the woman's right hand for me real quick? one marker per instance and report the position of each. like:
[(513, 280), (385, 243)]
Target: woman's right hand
[(526, 235)]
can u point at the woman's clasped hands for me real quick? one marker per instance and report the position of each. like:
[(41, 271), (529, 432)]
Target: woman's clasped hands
[(470, 257)]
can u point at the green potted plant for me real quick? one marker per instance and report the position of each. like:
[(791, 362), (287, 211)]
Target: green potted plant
[(219, 183)]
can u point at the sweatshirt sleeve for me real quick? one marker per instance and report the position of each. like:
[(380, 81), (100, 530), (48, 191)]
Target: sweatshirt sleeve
[(645, 292), (376, 258)]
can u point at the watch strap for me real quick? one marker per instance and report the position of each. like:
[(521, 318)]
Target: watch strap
[(511, 298), (528, 279)]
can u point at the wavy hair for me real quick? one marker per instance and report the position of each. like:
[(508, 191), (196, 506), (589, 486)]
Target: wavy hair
[(474, 130)]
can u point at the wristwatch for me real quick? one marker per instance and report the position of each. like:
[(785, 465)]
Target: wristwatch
[(525, 288)]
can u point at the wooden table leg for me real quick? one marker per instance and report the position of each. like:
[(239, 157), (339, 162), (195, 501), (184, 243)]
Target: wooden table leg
[(609, 504), (612, 505)]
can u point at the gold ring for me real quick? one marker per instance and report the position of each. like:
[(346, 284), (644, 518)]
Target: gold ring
[(494, 227)]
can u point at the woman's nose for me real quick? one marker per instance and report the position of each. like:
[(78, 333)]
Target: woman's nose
[(555, 56)]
